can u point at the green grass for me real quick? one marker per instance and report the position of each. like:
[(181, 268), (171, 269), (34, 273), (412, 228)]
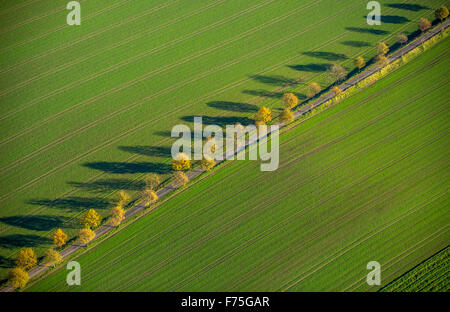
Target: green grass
[(365, 180), (430, 275)]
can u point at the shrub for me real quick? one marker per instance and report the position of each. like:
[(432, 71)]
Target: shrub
[(207, 163), (441, 13), (263, 116), (52, 257), (91, 219), (336, 90), (86, 235), (286, 116), (360, 62), (181, 162), (59, 238), (18, 278), (289, 100), (149, 197), (382, 48), (180, 178), (313, 89), (152, 181), (117, 215), (424, 24), (26, 259)]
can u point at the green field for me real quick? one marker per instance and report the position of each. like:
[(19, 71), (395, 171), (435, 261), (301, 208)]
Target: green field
[(365, 180), (86, 110), (431, 275)]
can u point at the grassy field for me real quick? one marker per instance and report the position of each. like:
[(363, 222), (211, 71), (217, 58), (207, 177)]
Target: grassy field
[(86, 110), (430, 275), (365, 180)]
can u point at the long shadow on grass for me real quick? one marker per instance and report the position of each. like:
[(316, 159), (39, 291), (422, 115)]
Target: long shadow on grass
[(271, 94), (220, 121), (109, 185), (35, 223), (407, 6), (393, 19), (328, 56), (277, 80), (6, 262), (233, 106), (372, 31), (356, 44), (129, 168), (73, 203), (157, 151), (312, 68), (20, 240)]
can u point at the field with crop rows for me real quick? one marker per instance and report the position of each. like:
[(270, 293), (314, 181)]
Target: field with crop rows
[(365, 180)]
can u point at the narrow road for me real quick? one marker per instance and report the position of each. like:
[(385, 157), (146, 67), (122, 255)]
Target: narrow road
[(67, 252)]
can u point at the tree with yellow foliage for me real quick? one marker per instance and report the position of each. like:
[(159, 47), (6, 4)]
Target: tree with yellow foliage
[(59, 238), (207, 163), (123, 198), (263, 116), (382, 48), (26, 259), (52, 257), (313, 89), (441, 13), (212, 142), (180, 178), (336, 90), (360, 62), (286, 116), (424, 24), (117, 215), (289, 100), (91, 219), (382, 60), (86, 235), (18, 278), (152, 181), (149, 197), (181, 162)]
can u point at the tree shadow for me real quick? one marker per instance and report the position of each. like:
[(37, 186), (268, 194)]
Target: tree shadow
[(20, 240), (233, 106), (408, 7), (356, 44), (393, 19), (129, 168), (36, 223), (313, 68), (372, 31), (157, 151), (73, 203), (328, 56), (220, 121), (270, 94), (109, 185), (277, 80), (6, 262)]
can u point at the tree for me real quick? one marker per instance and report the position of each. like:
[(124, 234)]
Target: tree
[(59, 238), (337, 73), (26, 259), (382, 48), (289, 100), (149, 197), (91, 219), (152, 181), (117, 215), (382, 60), (18, 278), (85, 235), (313, 89), (360, 62), (213, 144), (402, 38), (286, 116), (263, 116), (52, 257), (336, 90), (441, 13), (424, 24), (180, 178), (123, 198), (181, 162), (207, 163)]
